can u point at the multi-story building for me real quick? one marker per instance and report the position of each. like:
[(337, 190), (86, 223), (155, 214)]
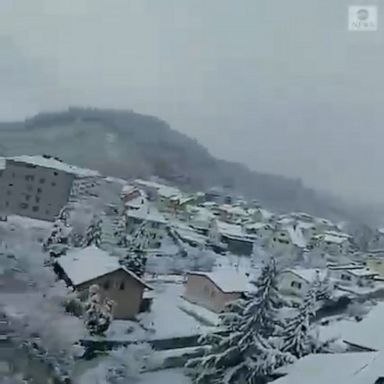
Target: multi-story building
[(38, 186)]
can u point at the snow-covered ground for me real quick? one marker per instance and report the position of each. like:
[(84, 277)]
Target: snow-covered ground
[(367, 332), (166, 318), (168, 376)]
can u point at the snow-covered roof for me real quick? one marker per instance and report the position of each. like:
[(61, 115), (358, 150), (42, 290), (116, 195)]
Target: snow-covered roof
[(333, 237), (228, 280), (256, 226), (362, 272), (85, 264), (307, 274), (162, 190), (52, 163), (233, 210), (136, 203), (2, 163), (127, 189), (230, 229), (297, 236), (340, 368), (147, 213), (366, 333)]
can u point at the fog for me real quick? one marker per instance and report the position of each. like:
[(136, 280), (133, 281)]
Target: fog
[(282, 86)]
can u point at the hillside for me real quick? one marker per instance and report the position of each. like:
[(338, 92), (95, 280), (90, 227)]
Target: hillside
[(128, 144)]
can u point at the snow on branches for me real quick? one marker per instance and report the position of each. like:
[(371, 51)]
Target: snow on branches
[(94, 232), (98, 314), (246, 353)]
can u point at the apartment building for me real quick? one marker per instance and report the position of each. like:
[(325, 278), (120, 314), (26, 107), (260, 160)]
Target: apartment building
[(37, 186)]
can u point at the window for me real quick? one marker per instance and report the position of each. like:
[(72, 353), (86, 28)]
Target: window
[(122, 286), (13, 174), (37, 199), (55, 173), (29, 188), (53, 184), (212, 293), (29, 177), (7, 203), (10, 185), (23, 205), (296, 284), (47, 212), (345, 277), (27, 197), (106, 285), (42, 180), (39, 190), (9, 193)]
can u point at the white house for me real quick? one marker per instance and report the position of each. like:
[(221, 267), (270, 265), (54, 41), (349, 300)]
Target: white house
[(200, 219), (331, 242), (232, 236), (352, 275), (296, 282), (262, 231), (260, 215)]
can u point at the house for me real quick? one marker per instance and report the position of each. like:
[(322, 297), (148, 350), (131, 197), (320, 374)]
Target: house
[(201, 219), (352, 275), (129, 193), (40, 186), (156, 223), (84, 267), (178, 204), (260, 215), (160, 193), (214, 290), (231, 214), (340, 368), (297, 282), (281, 243), (330, 242), (235, 239), (374, 260), (262, 231)]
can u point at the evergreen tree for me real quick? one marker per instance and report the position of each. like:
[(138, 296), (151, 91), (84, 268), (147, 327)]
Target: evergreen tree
[(135, 259), (98, 315), (94, 233), (265, 303), (57, 242), (121, 232), (297, 336), (246, 353), (141, 238)]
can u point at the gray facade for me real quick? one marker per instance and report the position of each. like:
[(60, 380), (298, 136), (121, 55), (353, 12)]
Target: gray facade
[(34, 191)]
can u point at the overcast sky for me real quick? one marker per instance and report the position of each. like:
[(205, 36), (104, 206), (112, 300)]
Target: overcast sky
[(280, 85)]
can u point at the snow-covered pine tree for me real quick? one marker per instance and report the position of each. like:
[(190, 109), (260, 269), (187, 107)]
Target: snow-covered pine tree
[(141, 238), (94, 232), (266, 302), (57, 242), (246, 353), (135, 262), (136, 257), (121, 231), (298, 337), (98, 315)]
